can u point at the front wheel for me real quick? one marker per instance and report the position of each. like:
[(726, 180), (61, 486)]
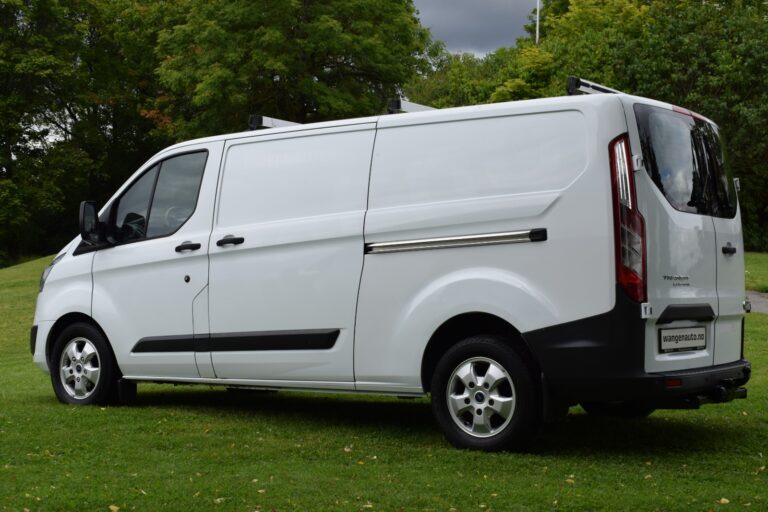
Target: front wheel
[(83, 369), (484, 396)]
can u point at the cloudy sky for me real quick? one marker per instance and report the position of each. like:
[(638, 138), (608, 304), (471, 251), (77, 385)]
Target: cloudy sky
[(475, 26)]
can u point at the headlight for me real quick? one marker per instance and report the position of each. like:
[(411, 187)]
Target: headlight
[(47, 270)]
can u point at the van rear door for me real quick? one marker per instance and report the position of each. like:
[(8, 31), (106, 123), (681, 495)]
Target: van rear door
[(686, 197), (730, 254)]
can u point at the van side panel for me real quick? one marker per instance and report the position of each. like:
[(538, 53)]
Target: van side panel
[(518, 167)]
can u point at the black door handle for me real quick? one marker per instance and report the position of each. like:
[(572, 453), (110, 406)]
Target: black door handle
[(187, 246), (729, 249), (230, 240)]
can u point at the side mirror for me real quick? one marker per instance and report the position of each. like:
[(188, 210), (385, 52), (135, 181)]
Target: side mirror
[(89, 222)]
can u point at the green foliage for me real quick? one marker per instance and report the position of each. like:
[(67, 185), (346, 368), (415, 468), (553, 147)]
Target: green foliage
[(711, 57), (89, 89), (304, 61), (456, 80), (533, 68), (75, 77), (757, 271)]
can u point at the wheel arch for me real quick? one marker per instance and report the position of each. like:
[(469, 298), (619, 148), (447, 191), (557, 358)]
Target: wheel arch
[(64, 322), (468, 324)]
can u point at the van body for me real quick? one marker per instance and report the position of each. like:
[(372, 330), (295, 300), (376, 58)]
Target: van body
[(510, 259)]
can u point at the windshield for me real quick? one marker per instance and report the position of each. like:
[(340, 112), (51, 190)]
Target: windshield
[(684, 158)]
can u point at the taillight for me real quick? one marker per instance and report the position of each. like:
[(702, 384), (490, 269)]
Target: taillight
[(628, 223)]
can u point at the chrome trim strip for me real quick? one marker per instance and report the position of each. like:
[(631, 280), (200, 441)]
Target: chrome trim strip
[(508, 237)]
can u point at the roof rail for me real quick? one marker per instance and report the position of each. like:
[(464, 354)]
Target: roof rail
[(578, 85), (401, 106), (257, 122)]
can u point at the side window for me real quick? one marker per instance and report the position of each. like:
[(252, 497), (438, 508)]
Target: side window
[(161, 200), (176, 193), (131, 217)]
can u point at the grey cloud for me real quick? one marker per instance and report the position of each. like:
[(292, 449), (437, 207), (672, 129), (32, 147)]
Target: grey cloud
[(476, 26)]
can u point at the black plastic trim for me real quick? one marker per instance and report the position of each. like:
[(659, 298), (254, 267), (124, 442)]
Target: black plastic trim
[(605, 347), (602, 359), (32, 339), (742, 337), (84, 248), (230, 240), (188, 247), (693, 312), (307, 339), (538, 235)]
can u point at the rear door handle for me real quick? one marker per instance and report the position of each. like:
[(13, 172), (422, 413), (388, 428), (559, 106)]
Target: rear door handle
[(230, 240), (728, 249), (187, 246)]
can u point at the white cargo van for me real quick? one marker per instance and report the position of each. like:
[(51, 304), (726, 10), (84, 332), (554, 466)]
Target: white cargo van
[(509, 259)]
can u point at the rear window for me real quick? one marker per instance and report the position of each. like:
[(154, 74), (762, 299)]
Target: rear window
[(684, 158)]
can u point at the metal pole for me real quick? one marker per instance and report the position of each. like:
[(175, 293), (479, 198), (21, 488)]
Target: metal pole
[(538, 7)]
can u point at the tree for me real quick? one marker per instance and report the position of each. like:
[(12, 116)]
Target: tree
[(706, 56), (711, 57), (36, 39), (75, 76), (455, 80), (306, 60)]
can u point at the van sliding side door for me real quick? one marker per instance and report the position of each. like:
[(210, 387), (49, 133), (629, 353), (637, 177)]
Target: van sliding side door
[(286, 254)]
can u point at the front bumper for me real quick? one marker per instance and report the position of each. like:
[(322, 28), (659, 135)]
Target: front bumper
[(40, 333), (32, 339)]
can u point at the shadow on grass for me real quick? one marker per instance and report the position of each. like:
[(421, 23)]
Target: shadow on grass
[(577, 435), (657, 434), (321, 410)]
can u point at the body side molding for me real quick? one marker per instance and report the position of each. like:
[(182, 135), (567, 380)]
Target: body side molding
[(308, 339), (508, 237)]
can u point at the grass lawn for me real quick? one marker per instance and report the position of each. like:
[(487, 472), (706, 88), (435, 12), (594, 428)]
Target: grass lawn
[(757, 271), (183, 448)]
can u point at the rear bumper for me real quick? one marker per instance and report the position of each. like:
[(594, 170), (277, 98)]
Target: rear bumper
[(601, 359), (671, 390)]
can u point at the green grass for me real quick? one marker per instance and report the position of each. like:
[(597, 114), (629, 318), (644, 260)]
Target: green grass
[(187, 448), (757, 271)]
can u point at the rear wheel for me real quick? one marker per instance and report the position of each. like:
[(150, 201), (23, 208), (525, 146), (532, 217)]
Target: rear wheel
[(83, 369), (484, 397), (618, 409)]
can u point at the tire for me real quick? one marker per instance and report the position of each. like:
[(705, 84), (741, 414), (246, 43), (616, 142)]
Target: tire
[(83, 368), (509, 402), (618, 409)]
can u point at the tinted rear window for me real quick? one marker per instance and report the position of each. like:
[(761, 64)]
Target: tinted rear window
[(685, 160)]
